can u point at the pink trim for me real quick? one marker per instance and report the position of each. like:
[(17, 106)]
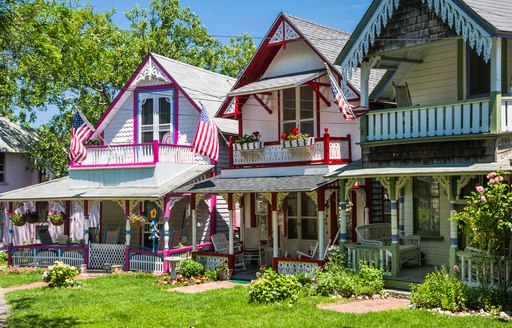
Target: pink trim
[(135, 116), (141, 164), (176, 121), (127, 258), (56, 246), (154, 87), (155, 151), (213, 221)]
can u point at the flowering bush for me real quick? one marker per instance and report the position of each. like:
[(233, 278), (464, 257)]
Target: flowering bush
[(55, 217), (189, 268), (487, 219), (264, 268), (253, 137), (60, 275), (17, 219), (295, 135), (137, 220), (274, 287)]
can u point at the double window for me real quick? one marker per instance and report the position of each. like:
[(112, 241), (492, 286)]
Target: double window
[(298, 110), (302, 217), (479, 74), (426, 206), (156, 116), (2, 167)]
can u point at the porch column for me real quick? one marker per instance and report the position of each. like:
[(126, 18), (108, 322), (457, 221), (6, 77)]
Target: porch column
[(242, 218), (213, 219), (10, 236), (401, 213), (395, 262), (343, 214), (365, 76), (167, 213), (127, 236), (495, 96), (366, 215), (321, 223), (231, 228), (275, 227), (86, 232), (194, 221), (453, 225)]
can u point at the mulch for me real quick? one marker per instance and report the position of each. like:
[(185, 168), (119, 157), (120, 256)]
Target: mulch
[(365, 306)]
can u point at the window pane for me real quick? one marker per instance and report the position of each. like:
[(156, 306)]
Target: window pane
[(261, 216), (308, 207), (426, 205), (309, 229), (164, 110), (307, 127), (292, 205), (293, 232), (288, 127), (289, 107), (479, 74), (147, 112), (306, 103), (147, 136)]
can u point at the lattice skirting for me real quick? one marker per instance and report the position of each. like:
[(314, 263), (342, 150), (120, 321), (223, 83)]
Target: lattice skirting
[(45, 257), (147, 262), (294, 268), (99, 254), (211, 262)]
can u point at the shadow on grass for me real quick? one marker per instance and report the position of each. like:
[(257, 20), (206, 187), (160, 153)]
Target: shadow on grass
[(38, 321)]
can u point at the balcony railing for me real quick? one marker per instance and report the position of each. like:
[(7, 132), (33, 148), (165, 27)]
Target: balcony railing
[(459, 118), (145, 154), (325, 150)]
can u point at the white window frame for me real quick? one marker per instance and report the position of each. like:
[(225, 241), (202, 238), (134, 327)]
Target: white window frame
[(300, 217), (156, 127), (297, 121)]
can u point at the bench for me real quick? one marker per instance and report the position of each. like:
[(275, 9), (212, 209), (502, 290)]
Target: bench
[(379, 234)]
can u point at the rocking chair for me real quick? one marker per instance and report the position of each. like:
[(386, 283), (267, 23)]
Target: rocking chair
[(221, 245)]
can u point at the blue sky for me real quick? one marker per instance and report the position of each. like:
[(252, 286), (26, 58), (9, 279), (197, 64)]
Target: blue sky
[(226, 18)]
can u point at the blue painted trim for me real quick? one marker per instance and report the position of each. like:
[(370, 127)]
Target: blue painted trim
[(453, 206), (394, 205), (343, 207), (394, 238), (401, 199), (86, 231), (454, 241), (343, 236)]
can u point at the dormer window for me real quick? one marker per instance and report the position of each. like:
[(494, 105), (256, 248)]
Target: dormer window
[(155, 114), (298, 110)]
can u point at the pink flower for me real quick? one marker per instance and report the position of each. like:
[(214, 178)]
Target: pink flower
[(491, 175), (499, 178), (483, 199), (492, 181), (480, 189), (455, 267)]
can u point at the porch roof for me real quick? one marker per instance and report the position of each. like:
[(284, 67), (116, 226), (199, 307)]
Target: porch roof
[(257, 184), (58, 189), (277, 83), (355, 169)]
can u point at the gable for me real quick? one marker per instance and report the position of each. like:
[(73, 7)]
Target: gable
[(296, 57)]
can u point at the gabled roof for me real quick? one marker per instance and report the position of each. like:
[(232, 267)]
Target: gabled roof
[(200, 86), (325, 41), (497, 13), (15, 138)]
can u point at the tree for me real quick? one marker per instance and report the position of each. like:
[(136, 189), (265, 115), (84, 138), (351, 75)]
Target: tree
[(57, 54)]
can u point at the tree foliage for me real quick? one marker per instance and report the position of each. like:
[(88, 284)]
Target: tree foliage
[(59, 54)]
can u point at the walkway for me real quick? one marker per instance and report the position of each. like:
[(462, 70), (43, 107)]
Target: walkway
[(365, 306)]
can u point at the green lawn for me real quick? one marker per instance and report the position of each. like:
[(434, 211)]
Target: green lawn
[(25, 276), (132, 301)]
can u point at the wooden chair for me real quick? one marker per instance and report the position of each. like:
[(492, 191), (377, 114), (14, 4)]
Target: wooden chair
[(314, 254), (251, 248), (221, 245), (402, 95), (44, 237), (111, 236)]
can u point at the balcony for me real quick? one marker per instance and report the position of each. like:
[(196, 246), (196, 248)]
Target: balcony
[(453, 119), (324, 150), (145, 154)]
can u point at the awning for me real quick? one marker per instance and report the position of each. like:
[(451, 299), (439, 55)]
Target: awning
[(276, 83), (58, 189), (261, 184), (355, 170)]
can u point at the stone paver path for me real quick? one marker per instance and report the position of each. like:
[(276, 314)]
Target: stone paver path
[(206, 286), (365, 306)]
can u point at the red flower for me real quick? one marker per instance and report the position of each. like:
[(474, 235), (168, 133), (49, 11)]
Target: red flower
[(295, 131), (283, 135)]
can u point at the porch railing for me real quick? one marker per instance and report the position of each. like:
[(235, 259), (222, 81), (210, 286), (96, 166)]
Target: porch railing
[(458, 118), (325, 150), (381, 256), (145, 154), (43, 256), (478, 269), (506, 114), (285, 265)]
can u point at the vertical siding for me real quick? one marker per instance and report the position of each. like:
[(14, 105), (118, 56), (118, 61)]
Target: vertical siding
[(113, 217), (256, 118), (223, 155), (187, 121), (16, 173), (434, 80), (120, 129)]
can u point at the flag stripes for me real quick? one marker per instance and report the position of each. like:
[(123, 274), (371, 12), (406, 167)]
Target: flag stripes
[(206, 141), (81, 131)]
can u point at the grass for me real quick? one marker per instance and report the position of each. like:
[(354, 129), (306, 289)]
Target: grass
[(16, 276), (133, 301)]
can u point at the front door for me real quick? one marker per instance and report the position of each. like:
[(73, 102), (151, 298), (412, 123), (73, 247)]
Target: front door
[(302, 224)]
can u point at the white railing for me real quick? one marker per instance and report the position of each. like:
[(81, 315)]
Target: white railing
[(147, 262), (175, 154), (462, 118), (99, 254), (478, 269), (296, 266), (119, 155), (506, 114), (43, 257), (380, 256), (211, 261)]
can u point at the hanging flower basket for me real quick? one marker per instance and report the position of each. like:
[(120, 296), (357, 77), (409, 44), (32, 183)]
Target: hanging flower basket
[(56, 218), (248, 146), (298, 143), (137, 220), (31, 217), (17, 219)]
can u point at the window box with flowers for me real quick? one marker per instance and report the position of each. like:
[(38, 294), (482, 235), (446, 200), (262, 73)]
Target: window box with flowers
[(295, 139), (56, 218), (137, 220), (17, 219), (249, 142)]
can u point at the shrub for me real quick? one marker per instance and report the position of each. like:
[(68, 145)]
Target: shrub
[(440, 290), (337, 260), (302, 278), (211, 275), (274, 287), (60, 275), (190, 268), (370, 280), (3, 258)]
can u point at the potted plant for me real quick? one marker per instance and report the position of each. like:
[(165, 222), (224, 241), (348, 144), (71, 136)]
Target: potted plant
[(56, 218), (296, 139), (263, 269), (137, 220), (249, 142), (17, 219), (31, 217), (224, 271)]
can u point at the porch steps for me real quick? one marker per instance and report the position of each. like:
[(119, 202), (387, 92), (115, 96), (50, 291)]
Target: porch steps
[(398, 293)]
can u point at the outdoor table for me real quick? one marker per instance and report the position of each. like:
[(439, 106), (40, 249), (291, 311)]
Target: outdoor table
[(173, 260)]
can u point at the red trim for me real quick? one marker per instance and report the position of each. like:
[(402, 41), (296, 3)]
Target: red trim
[(262, 104), (317, 101), (278, 114), (213, 210), (67, 218), (316, 89), (86, 207), (269, 221), (230, 155), (327, 141), (320, 199)]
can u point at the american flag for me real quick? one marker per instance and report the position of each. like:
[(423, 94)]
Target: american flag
[(349, 111), (206, 141), (80, 132)]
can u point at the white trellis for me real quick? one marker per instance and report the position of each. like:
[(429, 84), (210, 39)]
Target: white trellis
[(99, 254)]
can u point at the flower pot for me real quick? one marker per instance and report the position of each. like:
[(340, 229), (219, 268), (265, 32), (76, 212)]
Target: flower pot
[(297, 143), (225, 274), (19, 223), (257, 145), (31, 217), (259, 275), (57, 222)]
